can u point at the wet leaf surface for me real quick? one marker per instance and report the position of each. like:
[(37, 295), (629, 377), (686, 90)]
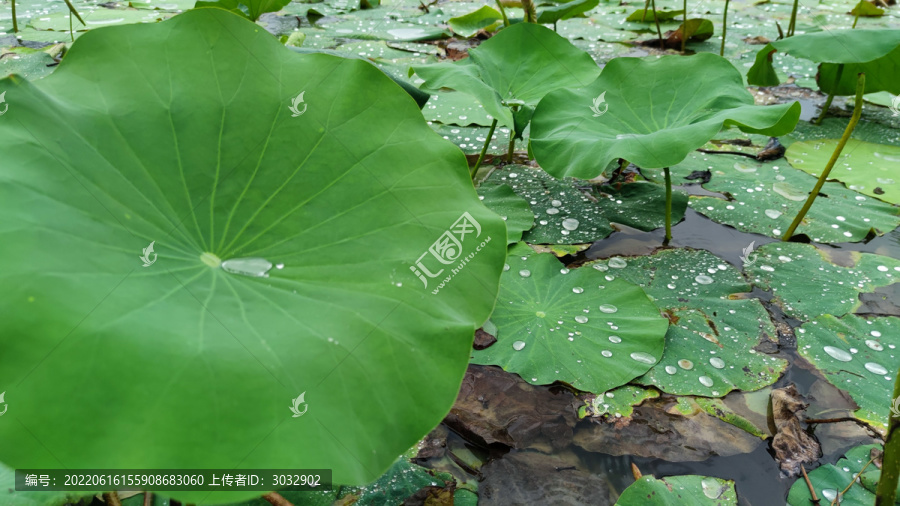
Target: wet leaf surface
[(679, 491), (858, 355), (577, 326), (712, 335)]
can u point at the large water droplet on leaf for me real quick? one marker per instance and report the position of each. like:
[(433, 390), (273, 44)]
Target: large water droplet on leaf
[(253, 267), (518, 345), (642, 357), (838, 354)]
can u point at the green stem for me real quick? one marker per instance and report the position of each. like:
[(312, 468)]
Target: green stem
[(668, 205), (644, 14), (793, 22), (503, 13), (484, 149), (724, 28), (855, 20), (15, 23), (512, 145), (837, 80), (857, 112), (656, 19), (683, 25), (886, 492)]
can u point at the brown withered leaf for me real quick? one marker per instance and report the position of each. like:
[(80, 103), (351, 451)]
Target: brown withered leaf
[(792, 445), (495, 406), (534, 478), (657, 429)]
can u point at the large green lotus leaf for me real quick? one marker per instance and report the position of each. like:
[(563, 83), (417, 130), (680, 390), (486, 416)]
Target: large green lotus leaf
[(574, 326), (863, 166), (687, 490), (515, 212), (831, 479), (835, 47), (806, 284), (882, 74), (250, 9), (570, 211), (857, 355), (649, 15), (206, 150), (523, 62), (765, 197), (486, 18), (651, 112), (711, 339)]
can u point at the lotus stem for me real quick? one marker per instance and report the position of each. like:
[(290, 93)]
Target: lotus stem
[(530, 13), (656, 19), (857, 112), (15, 23), (503, 13), (683, 25), (724, 28), (827, 105), (644, 14), (484, 149), (668, 206), (793, 22), (112, 499), (855, 19), (512, 145), (886, 492)]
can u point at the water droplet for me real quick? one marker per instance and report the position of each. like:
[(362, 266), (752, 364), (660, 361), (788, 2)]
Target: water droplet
[(615, 339), (706, 381), (581, 318), (829, 494), (642, 357), (875, 368), (578, 289), (570, 224), (671, 369), (552, 210), (717, 362), (518, 345), (608, 308), (875, 345), (712, 488), (767, 268), (771, 213), (685, 364), (601, 267), (540, 314), (525, 273), (279, 266), (703, 279), (838, 354), (254, 267), (789, 192), (555, 203), (505, 267), (606, 353), (875, 333), (564, 271), (617, 263)]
